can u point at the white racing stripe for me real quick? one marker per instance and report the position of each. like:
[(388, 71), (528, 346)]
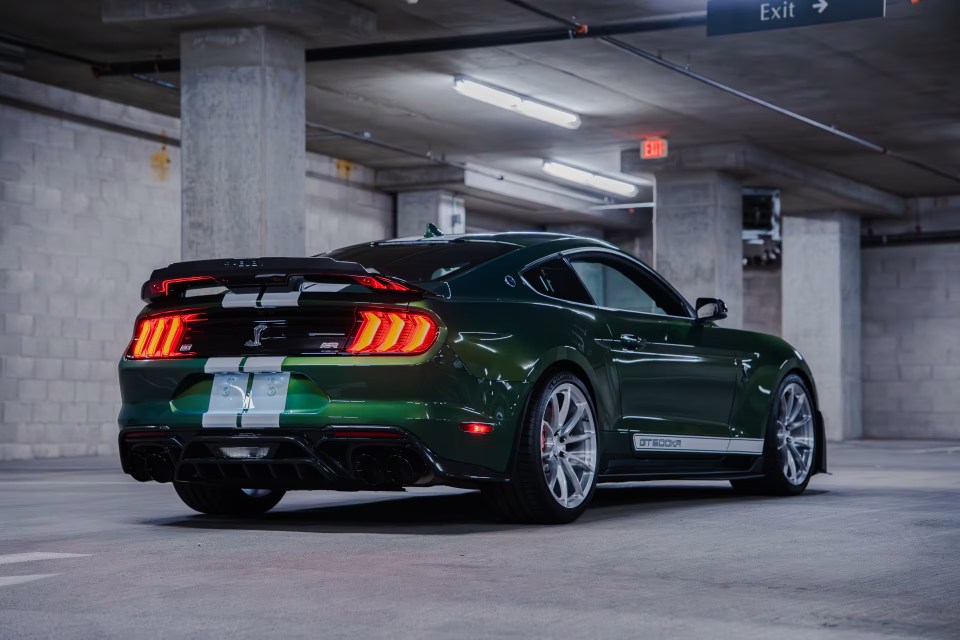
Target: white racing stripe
[(746, 445), (228, 397), (13, 558), (280, 299), (222, 365), (231, 299), (268, 397), (264, 364), (696, 444), (257, 395), (322, 287)]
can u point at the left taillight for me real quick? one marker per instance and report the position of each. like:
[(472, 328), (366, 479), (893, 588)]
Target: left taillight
[(393, 332), (160, 337)]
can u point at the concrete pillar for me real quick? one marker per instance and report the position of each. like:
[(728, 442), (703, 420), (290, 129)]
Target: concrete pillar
[(821, 311), (697, 237), (243, 143), (415, 209)]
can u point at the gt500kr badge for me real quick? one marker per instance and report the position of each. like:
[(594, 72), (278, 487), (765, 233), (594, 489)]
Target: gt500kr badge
[(647, 442)]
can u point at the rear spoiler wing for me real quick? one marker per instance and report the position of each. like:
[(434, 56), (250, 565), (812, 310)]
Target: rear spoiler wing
[(259, 272)]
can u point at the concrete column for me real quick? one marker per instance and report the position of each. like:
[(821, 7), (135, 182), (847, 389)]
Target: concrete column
[(243, 143), (415, 209), (821, 311), (697, 237)]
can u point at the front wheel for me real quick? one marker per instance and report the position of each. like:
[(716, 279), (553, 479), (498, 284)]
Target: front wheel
[(790, 443), (227, 501), (556, 467)]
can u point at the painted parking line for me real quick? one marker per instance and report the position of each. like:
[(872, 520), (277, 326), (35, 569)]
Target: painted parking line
[(935, 450), (33, 556), (9, 581), (12, 558)]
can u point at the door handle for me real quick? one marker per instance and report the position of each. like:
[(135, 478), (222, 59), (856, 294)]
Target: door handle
[(633, 341)]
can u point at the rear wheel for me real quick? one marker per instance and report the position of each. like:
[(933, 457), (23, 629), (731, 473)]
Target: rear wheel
[(790, 443), (227, 501), (555, 474)]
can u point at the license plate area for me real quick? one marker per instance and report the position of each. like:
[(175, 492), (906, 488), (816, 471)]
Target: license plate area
[(247, 400)]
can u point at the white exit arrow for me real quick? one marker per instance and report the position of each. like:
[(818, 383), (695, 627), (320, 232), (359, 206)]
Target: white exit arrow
[(821, 6)]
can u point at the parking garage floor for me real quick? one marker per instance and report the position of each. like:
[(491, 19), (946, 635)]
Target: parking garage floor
[(868, 552)]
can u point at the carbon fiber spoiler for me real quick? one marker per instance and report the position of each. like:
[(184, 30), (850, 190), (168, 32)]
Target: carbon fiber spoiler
[(262, 272)]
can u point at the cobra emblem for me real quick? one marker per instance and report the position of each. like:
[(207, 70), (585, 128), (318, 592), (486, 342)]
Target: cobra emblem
[(257, 331)]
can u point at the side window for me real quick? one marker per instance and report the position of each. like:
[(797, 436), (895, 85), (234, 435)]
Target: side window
[(557, 280), (618, 285)]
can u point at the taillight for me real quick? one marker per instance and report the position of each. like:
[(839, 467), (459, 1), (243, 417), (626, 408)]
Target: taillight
[(391, 332), (160, 337), (163, 287)]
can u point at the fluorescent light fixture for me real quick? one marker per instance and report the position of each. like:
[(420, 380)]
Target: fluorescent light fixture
[(620, 187), (515, 102)]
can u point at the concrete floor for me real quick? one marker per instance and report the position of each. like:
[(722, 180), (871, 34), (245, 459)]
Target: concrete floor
[(872, 551)]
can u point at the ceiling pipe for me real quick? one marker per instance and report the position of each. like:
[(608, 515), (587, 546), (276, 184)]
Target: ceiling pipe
[(447, 43), (646, 55)]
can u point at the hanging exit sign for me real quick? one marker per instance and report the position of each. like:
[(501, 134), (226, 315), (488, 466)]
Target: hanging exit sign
[(654, 148), (744, 16)]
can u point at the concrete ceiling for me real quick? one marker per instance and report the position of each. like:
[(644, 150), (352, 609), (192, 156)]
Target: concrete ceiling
[(893, 81)]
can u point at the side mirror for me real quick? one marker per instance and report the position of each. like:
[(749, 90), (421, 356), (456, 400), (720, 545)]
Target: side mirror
[(710, 309)]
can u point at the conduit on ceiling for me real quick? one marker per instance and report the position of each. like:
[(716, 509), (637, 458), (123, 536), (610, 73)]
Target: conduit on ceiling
[(646, 55)]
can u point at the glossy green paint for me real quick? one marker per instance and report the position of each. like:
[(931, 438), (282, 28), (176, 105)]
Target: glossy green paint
[(498, 339)]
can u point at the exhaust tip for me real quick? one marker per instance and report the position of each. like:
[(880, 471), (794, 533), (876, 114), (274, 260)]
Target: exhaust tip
[(368, 469), (138, 468), (400, 470), (159, 468)]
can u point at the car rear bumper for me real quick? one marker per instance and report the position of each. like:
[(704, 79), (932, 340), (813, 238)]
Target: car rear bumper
[(429, 399), (340, 458)]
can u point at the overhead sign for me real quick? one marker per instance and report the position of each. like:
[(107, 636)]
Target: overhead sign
[(653, 149), (744, 16)]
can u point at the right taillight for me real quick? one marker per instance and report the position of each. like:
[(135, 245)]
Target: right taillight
[(160, 337), (390, 332)]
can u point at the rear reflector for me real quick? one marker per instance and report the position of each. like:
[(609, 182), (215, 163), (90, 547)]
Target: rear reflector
[(476, 428), (160, 337), (393, 333)]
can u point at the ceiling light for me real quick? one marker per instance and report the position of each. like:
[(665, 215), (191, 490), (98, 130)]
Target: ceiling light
[(620, 187), (515, 102)]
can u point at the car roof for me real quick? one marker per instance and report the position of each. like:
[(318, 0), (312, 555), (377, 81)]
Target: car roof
[(519, 238)]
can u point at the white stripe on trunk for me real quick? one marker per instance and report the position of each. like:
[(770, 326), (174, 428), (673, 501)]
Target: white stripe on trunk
[(231, 299), (263, 364), (218, 365), (280, 299)]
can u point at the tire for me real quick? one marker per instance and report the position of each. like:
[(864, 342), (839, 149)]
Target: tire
[(226, 501), (554, 443), (785, 440)]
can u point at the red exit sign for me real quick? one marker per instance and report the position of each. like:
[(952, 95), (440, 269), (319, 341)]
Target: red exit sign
[(654, 148)]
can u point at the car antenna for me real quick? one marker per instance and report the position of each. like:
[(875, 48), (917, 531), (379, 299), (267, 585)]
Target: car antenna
[(433, 231)]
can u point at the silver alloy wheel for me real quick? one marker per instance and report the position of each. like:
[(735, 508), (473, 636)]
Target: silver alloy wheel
[(568, 445), (257, 493), (795, 433)]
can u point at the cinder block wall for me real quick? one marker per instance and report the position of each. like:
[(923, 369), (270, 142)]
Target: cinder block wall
[(84, 217), (89, 207), (342, 206), (911, 341)]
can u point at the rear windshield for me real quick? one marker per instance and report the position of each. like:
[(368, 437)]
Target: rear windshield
[(422, 262)]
